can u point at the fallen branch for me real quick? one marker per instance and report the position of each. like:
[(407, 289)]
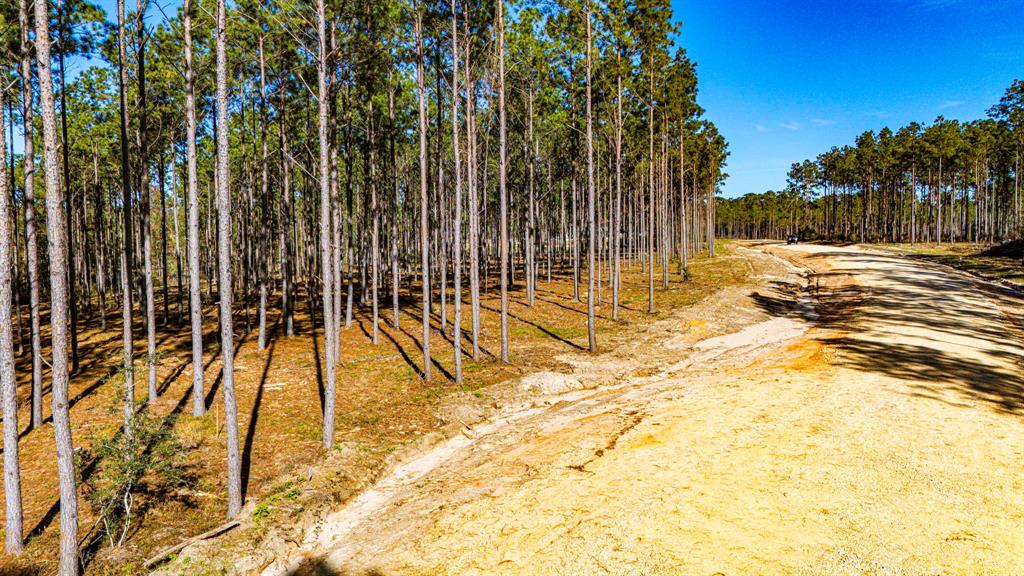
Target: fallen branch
[(164, 554)]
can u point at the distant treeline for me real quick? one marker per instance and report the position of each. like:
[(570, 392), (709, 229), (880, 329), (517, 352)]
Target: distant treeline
[(949, 181)]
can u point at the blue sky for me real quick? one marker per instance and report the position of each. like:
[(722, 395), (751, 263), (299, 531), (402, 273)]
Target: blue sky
[(785, 80)]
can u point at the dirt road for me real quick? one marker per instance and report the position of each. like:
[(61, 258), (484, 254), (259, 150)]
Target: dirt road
[(855, 414)]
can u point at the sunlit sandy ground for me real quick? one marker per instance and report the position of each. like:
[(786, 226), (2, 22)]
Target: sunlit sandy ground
[(878, 431)]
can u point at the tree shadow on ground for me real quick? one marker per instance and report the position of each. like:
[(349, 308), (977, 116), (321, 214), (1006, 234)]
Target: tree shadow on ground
[(935, 373), (536, 325), (254, 414), (319, 567), (908, 298)]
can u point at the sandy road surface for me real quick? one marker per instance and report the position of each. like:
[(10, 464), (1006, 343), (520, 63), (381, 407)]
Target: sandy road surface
[(863, 418)]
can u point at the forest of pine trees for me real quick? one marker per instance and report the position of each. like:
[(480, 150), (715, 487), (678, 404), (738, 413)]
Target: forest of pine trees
[(949, 181), (266, 157)]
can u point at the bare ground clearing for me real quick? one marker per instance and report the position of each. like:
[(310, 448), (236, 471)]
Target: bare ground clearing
[(875, 432)]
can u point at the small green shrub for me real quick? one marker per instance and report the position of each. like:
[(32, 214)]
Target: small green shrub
[(122, 473), (261, 511)]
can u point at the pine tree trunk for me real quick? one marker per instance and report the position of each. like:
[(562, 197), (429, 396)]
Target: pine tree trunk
[(667, 205), (440, 229), (650, 197), (474, 208), (591, 201), (530, 153), (58, 301), (194, 287), (457, 232), (326, 255), (424, 214), (126, 209), (31, 239), (332, 171), (286, 219), (913, 204), (227, 336), (144, 195), (176, 208), (396, 207), (711, 213), (350, 231), (263, 258), (617, 224), (682, 205), (13, 542), (375, 228), (101, 278), (162, 175), (575, 226), (502, 189), (68, 198)]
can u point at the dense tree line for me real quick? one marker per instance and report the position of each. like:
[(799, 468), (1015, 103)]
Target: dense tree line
[(329, 155), (944, 182)]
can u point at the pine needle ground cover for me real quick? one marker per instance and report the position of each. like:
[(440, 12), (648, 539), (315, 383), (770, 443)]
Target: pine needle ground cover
[(999, 261), (383, 405)]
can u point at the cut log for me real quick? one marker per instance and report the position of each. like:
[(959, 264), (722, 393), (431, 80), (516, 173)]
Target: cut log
[(164, 554)]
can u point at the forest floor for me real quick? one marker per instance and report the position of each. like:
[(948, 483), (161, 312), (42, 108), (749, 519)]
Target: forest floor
[(385, 410), (843, 411), (995, 262)]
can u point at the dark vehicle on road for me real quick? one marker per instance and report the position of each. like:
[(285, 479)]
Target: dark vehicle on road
[(792, 239)]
